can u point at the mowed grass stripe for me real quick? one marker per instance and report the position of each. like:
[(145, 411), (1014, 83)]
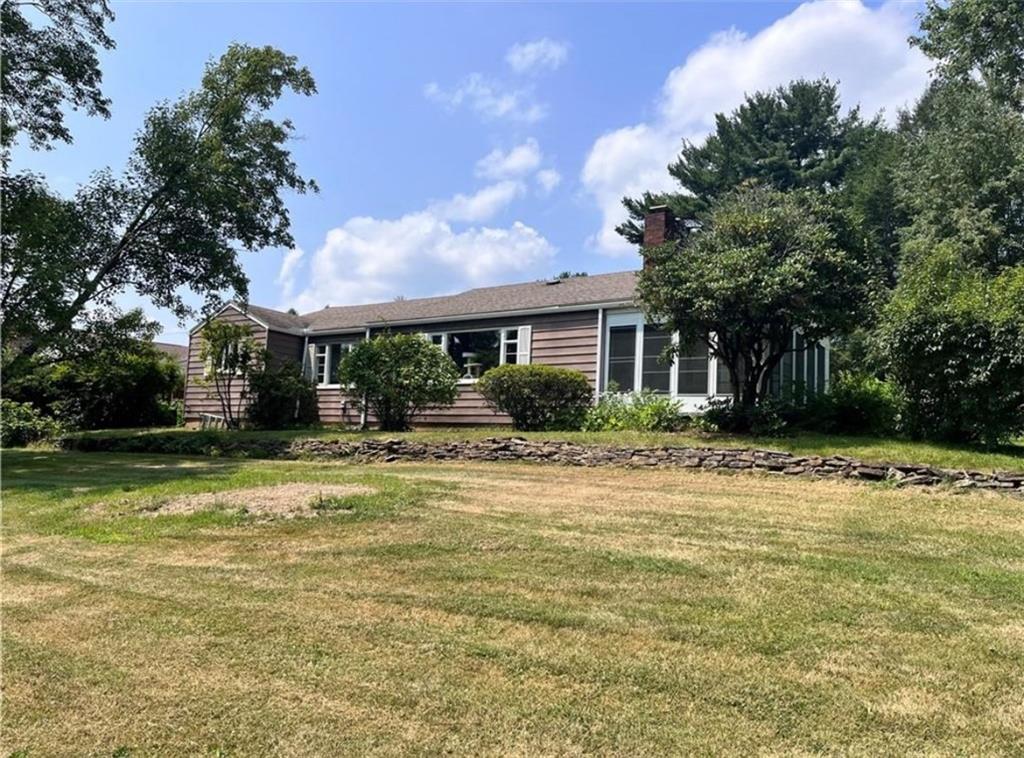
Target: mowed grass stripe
[(493, 609)]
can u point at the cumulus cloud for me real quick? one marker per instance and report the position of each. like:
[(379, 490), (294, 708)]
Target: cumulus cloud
[(479, 206), (547, 179), (520, 160), (289, 267), (369, 259), (863, 49), (539, 55), (489, 99), (373, 260)]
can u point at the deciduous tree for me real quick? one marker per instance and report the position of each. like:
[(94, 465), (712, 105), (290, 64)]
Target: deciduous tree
[(206, 179), (764, 263), (50, 61)]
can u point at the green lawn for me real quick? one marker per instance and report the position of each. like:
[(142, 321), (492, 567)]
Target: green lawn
[(503, 609), (1007, 458)]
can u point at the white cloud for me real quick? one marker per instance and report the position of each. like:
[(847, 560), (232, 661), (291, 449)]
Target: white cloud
[(863, 49), (531, 57), (521, 159), (289, 267), (547, 180), (373, 260), (489, 99), (370, 259), (479, 206)]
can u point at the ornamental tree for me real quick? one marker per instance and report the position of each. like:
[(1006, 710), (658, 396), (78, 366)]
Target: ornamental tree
[(396, 376), (762, 264), (230, 355)]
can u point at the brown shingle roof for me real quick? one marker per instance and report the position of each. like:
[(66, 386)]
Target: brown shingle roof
[(582, 290), (177, 352), (560, 293), (276, 319)]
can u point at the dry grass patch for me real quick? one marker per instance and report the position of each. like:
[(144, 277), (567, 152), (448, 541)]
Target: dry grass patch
[(293, 500)]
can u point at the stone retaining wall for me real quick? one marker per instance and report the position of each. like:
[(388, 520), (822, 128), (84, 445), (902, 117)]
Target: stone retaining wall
[(573, 454)]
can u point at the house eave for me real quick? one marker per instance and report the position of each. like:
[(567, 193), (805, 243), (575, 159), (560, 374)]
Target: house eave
[(575, 308)]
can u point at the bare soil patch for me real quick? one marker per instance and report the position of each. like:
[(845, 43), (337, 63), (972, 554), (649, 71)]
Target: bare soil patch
[(293, 500)]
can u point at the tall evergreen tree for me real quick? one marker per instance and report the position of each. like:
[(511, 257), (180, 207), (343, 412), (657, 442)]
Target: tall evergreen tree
[(794, 137)]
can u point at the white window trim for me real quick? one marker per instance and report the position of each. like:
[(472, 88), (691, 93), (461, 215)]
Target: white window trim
[(524, 336), (636, 320), (328, 348)]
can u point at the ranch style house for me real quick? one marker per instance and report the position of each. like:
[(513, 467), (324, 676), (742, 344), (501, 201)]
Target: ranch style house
[(587, 323)]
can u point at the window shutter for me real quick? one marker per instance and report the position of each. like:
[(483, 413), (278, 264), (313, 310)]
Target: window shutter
[(208, 367), (525, 337)]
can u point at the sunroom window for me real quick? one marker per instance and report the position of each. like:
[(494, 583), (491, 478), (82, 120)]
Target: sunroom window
[(693, 369), (656, 373), (621, 358)]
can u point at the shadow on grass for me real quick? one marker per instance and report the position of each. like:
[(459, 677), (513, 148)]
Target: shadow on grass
[(43, 470)]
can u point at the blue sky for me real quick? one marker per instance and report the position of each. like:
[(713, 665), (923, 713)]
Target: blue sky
[(460, 145)]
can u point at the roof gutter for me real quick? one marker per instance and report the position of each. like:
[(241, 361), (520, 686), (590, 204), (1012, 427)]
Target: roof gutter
[(477, 316)]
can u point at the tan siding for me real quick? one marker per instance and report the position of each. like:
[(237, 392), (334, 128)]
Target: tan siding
[(335, 407), (200, 398), (568, 340)]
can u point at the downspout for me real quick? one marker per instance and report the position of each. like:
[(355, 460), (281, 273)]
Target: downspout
[(362, 413), (599, 362), (305, 357)]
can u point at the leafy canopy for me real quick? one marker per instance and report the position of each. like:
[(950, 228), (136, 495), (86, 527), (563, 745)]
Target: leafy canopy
[(977, 36), (205, 179), (961, 176), (114, 386), (953, 338), (395, 376), (764, 263), (49, 65)]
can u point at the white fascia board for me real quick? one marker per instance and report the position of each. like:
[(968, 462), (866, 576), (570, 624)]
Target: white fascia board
[(477, 317), (251, 317)]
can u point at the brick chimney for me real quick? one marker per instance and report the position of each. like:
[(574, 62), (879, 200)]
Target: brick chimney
[(659, 226)]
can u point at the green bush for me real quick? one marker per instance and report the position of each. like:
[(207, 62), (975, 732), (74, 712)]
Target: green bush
[(113, 388), (639, 411), (855, 404), (952, 339), (769, 418), (538, 397), (395, 376), (21, 424), (280, 396)]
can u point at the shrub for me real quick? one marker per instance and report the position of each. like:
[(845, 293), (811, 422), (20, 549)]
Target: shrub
[(21, 424), (639, 411), (395, 376), (280, 396), (113, 388), (855, 404), (770, 418), (952, 339), (538, 397)]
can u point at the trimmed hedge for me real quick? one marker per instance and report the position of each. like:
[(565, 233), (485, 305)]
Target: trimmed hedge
[(538, 397)]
